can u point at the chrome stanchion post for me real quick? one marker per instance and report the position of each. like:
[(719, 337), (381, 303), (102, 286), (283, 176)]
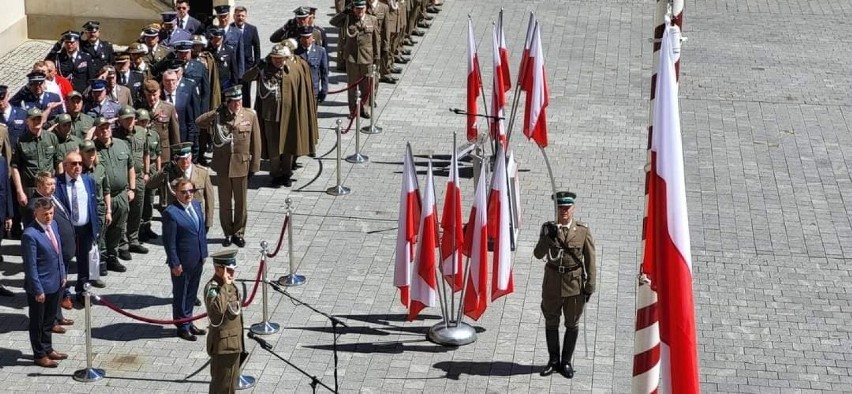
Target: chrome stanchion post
[(374, 76), (265, 327), (338, 189), (88, 374), (293, 279), (357, 158)]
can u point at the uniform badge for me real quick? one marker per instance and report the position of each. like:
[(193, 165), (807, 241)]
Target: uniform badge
[(83, 65), (213, 292), (245, 123)]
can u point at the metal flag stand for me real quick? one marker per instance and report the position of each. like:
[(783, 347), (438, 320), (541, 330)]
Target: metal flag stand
[(265, 327), (357, 157), (338, 189), (374, 88), (88, 374), (292, 279), (452, 331)]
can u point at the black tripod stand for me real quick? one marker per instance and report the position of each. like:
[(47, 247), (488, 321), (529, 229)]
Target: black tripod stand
[(266, 346)]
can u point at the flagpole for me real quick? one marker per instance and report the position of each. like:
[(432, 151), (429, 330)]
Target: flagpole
[(442, 296), (455, 226), (464, 288), (552, 182), (517, 95), (482, 88)]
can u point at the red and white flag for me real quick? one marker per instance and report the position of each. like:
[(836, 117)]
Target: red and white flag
[(499, 86), (408, 224), (535, 112), (502, 281), (424, 284), (667, 260), (452, 239), (476, 247), (474, 83), (523, 69)]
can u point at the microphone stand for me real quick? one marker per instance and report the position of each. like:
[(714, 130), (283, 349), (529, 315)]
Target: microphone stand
[(334, 323), (266, 346), (459, 111)]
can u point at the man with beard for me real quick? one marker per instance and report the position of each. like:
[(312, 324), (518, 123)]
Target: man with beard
[(289, 120)]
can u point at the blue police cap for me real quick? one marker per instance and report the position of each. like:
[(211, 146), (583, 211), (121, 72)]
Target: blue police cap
[(97, 85)]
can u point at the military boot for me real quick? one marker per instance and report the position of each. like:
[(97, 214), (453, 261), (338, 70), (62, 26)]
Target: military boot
[(567, 369), (552, 336)]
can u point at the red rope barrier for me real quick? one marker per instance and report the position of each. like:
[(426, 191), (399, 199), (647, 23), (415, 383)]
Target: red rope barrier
[(256, 283), (280, 236), (348, 87)]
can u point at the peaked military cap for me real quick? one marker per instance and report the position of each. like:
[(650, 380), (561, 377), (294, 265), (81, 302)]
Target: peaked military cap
[(306, 31), (565, 199), (87, 145), (70, 36), (216, 32), (73, 94), (359, 3), (63, 119), (198, 39), (234, 93), (183, 46), (225, 258), (174, 64), (34, 112), (222, 9), (169, 16), (301, 12), (92, 26), (137, 48), (151, 30), (181, 150), (97, 85), (36, 76), (126, 112)]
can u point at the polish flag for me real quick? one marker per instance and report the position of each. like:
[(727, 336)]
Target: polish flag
[(424, 284), (502, 282), (452, 240), (523, 69), (476, 247), (474, 83), (498, 89), (504, 54), (535, 114), (408, 222), (667, 260)]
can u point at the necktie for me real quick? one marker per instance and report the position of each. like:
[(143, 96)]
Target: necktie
[(192, 215), (122, 80), (171, 101), (75, 214), (180, 23), (52, 238)]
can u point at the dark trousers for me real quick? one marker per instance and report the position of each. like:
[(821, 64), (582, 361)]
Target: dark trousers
[(42, 316), (184, 291), (224, 371), (246, 88), (85, 239)]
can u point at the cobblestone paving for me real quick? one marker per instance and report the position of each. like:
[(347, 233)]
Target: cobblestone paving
[(765, 97)]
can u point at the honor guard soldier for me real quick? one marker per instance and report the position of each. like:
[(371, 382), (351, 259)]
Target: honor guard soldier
[(380, 11), (102, 52), (236, 157), (155, 165), (292, 27), (81, 122), (569, 280), (100, 104), (362, 48), (137, 139), (115, 155), (35, 152), (181, 167), (317, 60), (73, 63), (225, 342), (34, 96)]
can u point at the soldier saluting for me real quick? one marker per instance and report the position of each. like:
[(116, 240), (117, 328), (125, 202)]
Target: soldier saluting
[(569, 280), (225, 339)]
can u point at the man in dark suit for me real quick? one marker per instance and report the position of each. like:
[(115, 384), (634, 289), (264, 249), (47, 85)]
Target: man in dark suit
[(77, 195), (248, 49), (128, 77), (184, 20), (34, 95), (73, 63), (183, 94), (170, 33), (185, 242), (44, 278), (101, 51)]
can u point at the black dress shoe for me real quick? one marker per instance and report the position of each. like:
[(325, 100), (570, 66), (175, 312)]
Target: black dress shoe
[(388, 79), (136, 248), (197, 331), (98, 283), (401, 60), (405, 51), (239, 241), (287, 182), (116, 266), (125, 255), (567, 371), (150, 234), (395, 70), (433, 9), (186, 336), (551, 368), (428, 17), (424, 25), (419, 33), (409, 42), (4, 292), (226, 241)]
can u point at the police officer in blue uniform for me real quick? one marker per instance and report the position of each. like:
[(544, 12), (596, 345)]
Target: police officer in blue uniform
[(74, 63), (224, 56), (171, 33), (34, 95), (101, 51), (99, 104), (195, 71), (317, 59)]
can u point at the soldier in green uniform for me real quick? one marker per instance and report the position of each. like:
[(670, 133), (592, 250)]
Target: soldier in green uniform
[(569, 280), (361, 49), (181, 166), (137, 138), (81, 123), (116, 157), (155, 165), (67, 140), (92, 166), (36, 151), (225, 339)]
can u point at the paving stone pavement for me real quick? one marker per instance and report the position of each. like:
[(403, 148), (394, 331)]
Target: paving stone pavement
[(764, 97)]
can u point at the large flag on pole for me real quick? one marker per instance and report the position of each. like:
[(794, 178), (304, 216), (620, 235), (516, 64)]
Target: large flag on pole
[(523, 69), (476, 247), (504, 54), (474, 83), (502, 281), (499, 86), (452, 240), (535, 112), (408, 224), (667, 260), (424, 285)]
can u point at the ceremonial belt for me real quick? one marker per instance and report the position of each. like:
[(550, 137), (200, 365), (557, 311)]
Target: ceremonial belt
[(564, 269)]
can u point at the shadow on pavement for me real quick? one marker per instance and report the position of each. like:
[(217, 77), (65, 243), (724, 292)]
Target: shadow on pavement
[(131, 332), (454, 369), (14, 357), (392, 347), (136, 301)]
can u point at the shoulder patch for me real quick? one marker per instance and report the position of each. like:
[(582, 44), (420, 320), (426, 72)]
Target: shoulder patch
[(212, 292)]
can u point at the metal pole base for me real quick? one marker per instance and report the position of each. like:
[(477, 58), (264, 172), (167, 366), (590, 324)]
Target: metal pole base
[(338, 190), (265, 328), (245, 382), (371, 129), (449, 335), (291, 280), (357, 158), (89, 375)]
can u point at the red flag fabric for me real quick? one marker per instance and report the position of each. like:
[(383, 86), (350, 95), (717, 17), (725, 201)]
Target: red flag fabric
[(452, 240), (474, 83), (476, 247), (408, 222), (498, 89), (667, 260), (504, 54), (502, 281), (424, 284), (523, 69), (535, 112)]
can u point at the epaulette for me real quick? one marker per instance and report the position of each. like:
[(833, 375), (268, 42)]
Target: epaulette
[(582, 224)]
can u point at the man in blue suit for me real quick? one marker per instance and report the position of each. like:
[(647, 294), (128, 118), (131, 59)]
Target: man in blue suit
[(185, 242), (184, 95), (34, 96), (186, 21), (77, 194), (44, 278), (248, 48)]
